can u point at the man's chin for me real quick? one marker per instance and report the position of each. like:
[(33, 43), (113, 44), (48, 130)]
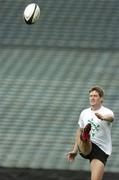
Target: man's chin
[(92, 104)]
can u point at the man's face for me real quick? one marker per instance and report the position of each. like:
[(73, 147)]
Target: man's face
[(95, 99)]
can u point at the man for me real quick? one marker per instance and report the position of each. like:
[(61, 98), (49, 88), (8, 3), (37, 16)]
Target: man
[(93, 138)]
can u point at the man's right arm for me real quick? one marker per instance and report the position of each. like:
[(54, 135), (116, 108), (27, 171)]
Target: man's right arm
[(72, 154)]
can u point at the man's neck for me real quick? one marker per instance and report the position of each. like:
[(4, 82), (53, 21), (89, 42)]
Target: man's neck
[(95, 108)]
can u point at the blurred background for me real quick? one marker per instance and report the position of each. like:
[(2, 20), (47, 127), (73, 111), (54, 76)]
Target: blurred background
[(46, 71)]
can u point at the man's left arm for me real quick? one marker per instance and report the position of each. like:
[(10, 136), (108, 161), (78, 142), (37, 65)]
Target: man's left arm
[(109, 118)]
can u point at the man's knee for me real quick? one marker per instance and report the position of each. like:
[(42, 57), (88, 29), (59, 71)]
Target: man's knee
[(85, 147)]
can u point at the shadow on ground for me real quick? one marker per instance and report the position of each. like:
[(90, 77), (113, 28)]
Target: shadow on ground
[(43, 174)]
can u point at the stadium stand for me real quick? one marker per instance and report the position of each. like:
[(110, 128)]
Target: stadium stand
[(46, 70)]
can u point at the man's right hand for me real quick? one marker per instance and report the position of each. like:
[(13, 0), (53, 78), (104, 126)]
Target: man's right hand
[(71, 155)]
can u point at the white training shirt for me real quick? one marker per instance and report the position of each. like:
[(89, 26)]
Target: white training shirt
[(100, 133)]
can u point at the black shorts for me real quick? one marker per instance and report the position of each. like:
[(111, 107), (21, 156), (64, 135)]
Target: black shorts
[(96, 153)]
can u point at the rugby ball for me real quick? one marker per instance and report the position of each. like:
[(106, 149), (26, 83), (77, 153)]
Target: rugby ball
[(31, 13)]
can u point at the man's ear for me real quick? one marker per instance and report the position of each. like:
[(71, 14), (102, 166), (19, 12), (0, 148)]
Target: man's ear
[(101, 99)]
